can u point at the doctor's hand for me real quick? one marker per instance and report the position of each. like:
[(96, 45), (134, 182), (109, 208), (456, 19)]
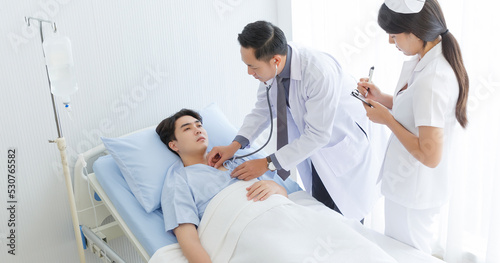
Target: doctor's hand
[(219, 154), (261, 190), (378, 113), (250, 169), (368, 89)]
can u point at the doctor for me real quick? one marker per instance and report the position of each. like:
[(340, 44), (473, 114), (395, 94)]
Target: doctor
[(322, 130), (429, 102)]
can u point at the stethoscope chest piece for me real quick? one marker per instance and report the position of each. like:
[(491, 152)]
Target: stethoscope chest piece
[(230, 164)]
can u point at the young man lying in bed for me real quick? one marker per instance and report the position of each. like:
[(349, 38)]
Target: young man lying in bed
[(234, 229), (183, 133)]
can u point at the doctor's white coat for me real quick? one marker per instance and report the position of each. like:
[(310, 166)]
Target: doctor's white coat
[(323, 121)]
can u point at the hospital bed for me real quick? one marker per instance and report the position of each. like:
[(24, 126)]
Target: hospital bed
[(102, 193)]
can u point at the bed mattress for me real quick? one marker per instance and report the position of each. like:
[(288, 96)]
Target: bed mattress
[(147, 228)]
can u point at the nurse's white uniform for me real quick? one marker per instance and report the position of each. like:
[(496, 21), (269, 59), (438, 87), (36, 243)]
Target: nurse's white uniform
[(414, 192), (323, 121)]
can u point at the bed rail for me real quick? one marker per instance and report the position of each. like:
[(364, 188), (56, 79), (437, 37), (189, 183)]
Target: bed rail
[(86, 202), (99, 247), (94, 207)]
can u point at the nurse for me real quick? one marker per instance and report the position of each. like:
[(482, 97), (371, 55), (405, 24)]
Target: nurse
[(326, 133), (429, 102)]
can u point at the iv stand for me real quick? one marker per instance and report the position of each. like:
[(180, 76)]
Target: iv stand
[(61, 145)]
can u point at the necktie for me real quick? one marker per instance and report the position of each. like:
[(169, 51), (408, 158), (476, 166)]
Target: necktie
[(282, 126)]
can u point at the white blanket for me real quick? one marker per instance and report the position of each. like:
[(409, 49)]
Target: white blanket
[(234, 229)]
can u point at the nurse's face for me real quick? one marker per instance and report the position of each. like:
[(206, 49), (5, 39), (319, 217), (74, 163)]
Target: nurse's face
[(190, 136), (407, 43), (259, 69)]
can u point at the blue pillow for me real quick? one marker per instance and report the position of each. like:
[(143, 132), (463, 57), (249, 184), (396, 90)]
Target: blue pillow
[(144, 159), (220, 130)]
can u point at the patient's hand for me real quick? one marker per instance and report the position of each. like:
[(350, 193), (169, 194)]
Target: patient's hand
[(261, 190)]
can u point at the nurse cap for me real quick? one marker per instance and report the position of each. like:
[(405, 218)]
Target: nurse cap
[(405, 6)]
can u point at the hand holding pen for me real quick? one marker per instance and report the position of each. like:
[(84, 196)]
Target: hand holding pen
[(375, 111), (367, 88)]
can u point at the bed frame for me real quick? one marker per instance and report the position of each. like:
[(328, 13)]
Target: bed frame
[(94, 210), (94, 205)]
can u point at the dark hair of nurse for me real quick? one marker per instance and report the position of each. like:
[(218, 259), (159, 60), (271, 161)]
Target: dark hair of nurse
[(429, 24)]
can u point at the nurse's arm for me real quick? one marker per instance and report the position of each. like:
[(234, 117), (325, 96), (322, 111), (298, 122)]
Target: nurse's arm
[(427, 148), (187, 235), (386, 100)]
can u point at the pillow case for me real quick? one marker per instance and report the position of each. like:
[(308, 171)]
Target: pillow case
[(144, 160)]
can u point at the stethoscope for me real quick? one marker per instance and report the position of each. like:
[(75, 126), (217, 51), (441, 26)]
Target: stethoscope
[(230, 164)]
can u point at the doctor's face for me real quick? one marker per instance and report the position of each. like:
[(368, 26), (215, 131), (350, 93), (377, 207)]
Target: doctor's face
[(261, 70), (190, 136), (407, 43)]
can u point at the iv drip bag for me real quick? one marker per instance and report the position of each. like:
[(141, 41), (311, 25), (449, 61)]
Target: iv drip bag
[(59, 60)]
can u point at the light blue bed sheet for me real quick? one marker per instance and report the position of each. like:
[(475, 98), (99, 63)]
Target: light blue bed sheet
[(149, 229)]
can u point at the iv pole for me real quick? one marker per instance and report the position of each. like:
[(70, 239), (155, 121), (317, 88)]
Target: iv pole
[(61, 145)]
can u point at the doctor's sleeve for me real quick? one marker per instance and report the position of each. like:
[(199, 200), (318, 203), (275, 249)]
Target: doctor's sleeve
[(242, 141)]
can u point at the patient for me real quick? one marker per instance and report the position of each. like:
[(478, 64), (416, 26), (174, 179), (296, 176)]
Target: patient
[(235, 230), (190, 192)]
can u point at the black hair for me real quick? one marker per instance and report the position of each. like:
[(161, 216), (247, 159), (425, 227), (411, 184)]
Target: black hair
[(427, 25), (166, 128), (265, 38)]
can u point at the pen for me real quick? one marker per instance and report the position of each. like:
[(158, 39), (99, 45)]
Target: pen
[(370, 74)]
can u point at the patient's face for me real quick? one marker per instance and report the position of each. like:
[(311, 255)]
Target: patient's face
[(261, 70), (191, 137)]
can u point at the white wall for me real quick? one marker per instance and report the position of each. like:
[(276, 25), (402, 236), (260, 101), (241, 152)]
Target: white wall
[(185, 50)]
